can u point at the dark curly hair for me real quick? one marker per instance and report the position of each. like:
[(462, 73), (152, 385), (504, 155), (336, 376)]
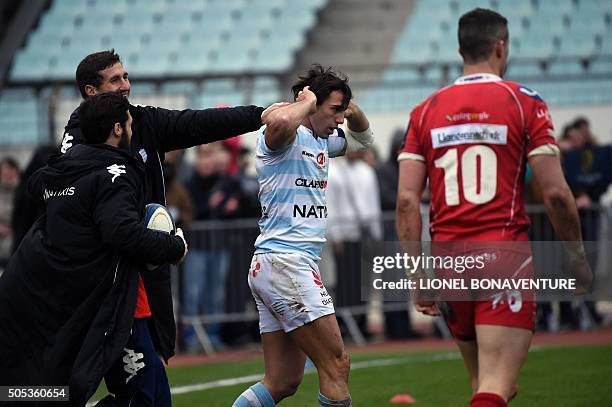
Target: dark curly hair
[(322, 83)]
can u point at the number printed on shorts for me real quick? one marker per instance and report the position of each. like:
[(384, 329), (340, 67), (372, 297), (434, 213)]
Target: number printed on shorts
[(513, 297), (478, 174)]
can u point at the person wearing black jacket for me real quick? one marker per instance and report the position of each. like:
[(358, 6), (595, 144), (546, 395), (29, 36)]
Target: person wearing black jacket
[(156, 131), (68, 296)]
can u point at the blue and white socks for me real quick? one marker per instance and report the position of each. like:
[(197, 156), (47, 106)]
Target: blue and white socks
[(255, 396), (325, 402)]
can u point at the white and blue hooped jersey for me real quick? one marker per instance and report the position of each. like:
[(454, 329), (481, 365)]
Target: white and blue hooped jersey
[(292, 184)]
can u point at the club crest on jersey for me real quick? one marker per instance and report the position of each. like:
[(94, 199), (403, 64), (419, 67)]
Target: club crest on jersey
[(143, 154), (66, 142), (116, 170), (321, 159), (529, 92)]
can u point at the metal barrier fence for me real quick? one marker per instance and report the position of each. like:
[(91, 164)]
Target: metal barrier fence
[(235, 238)]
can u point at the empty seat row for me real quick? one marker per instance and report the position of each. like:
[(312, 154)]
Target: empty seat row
[(165, 37)]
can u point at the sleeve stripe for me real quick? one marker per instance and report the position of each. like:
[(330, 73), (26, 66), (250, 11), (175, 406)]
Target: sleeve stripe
[(546, 149), (410, 156)]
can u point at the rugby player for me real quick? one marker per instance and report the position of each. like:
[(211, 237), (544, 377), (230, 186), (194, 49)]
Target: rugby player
[(472, 140)]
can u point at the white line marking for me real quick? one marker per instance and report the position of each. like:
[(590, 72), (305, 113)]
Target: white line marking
[(354, 366)]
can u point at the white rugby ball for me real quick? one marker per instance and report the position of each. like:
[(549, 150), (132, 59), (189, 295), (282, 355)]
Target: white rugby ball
[(157, 217)]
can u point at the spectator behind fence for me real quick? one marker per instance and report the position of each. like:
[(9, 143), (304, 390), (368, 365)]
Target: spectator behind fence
[(397, 322), (178, 198), (354, 216), (542, 230), (240, 239), (216, 196), (589, 174), (9, 179)]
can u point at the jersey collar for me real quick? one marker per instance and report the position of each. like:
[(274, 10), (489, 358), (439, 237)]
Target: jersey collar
[(308, 131), (477, 78)]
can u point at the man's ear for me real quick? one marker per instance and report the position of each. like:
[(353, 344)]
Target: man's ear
[(500, 48), (91, 90), (117, 130)]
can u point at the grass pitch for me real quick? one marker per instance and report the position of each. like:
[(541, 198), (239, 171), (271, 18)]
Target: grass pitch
[(552, 376)]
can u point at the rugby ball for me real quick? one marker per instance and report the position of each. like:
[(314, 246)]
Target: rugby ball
[(157, 217)]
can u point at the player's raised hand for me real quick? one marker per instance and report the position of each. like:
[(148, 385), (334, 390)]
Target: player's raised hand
[(352, 109), (357, 120), (307, 96)]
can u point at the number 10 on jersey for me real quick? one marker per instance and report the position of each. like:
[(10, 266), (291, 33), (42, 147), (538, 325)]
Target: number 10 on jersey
[(478, 187)]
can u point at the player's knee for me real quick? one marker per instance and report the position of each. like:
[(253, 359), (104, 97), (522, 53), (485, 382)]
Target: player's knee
[(285, 387), (289, 387)]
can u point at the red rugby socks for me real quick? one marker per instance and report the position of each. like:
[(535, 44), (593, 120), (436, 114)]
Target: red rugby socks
[(487, 400)]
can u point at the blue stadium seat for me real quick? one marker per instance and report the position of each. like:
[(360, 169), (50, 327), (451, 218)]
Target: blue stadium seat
[(434, 74), (557, 7), (265, 97), (578, 47), (601, 67), (179, 87), (269, 59), (149, 63), (395, 75), (565, 68), (605, 46), (29, 66), (20, 118), (541, 48), (518, 71), (226, 85), (189, 64), (448, 52), (201, 29), (145, 6), (587, 24), (229, 62), (88, 41), (67, 8), (212, 99), (460, 7), (265, 82), (593, 6), (91, 22)]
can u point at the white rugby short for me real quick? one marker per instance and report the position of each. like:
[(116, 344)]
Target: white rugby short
[(288, 291)]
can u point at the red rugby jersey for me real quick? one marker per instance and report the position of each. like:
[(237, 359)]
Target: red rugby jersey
[(475, 137)]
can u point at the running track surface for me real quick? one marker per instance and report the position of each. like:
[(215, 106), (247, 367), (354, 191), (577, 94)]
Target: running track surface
[(599, 337)]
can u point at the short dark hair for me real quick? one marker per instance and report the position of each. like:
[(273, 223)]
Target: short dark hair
[(322, 83), (98, 115), (478, 32), (11, 162), (88, 71), (581, 121)]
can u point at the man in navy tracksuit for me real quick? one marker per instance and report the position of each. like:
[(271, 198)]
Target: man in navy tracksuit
[(68, 296), (155, 131)]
